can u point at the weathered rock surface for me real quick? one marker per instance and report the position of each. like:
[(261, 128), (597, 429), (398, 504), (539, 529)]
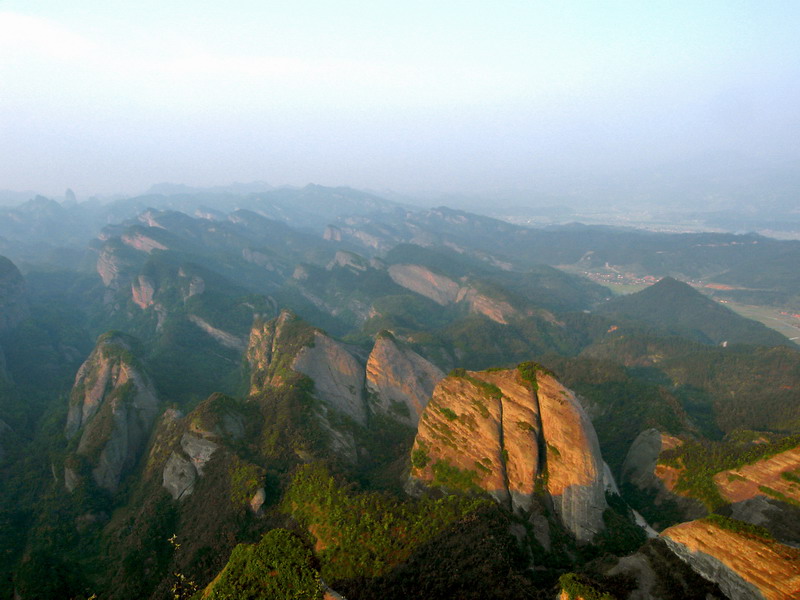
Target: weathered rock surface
[(777, 476), (112, 406), (400, 380), (185, 466), (338, 377), (223, 337), (423, 281), (497, 431), (13, 301), (641, 469), (744, 566), (142, 291), (444, 291)]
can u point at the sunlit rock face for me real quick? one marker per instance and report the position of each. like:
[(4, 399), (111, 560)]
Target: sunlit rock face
[(514, 438), (112, 408), (399, 380), (744, 565)]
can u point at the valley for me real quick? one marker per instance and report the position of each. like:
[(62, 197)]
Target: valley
[(319, 390)]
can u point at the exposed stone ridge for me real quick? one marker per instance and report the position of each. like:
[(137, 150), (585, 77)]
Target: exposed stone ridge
[(139, 241), (269, 351), (495, 430), (400, 380), (113, 405), (743, 565), (444, 291), (753, 480), (223, 337), (13, 302), (338, 377), (641, 469)]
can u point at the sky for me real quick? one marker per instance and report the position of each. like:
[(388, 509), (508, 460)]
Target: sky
[(416, 96)]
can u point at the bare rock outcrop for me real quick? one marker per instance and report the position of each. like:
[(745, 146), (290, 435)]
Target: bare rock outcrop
[(13, 300), (642, 470), (445, 291), (338, 377), (112, 408), (513, 433), (744, 565), (399, 380)]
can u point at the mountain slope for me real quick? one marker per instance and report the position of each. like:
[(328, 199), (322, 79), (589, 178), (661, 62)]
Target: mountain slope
[(677, 308)]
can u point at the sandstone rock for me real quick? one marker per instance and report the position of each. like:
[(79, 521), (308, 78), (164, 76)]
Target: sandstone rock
[(257, 501), (496, 431), (338, 376), (400, 380), (142, 291), (113, 406), (744, 566), (641, 469), (179, 476), (751, 480), (223, 337), (140, 241), (348, 260), (444, 291), (423, 281), (13, 301)]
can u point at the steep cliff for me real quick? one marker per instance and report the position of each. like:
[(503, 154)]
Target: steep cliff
[(777, 476), (743, 561), (513, 433), (445, 291), (400, 380), (112, 408), (13, 301)]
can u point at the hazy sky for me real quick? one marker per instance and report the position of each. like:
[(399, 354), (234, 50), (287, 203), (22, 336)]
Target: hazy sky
[(108, 96)]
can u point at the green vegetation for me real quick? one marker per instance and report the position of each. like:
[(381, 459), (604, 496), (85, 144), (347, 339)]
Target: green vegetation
[(367, 534), (452, 478), (449, 413), (577, 587), (528, 371), (793, 476), (419, 458), (740, 527), (702, 459), (488, 389), (246, 479), (779, 495), (278, 567)]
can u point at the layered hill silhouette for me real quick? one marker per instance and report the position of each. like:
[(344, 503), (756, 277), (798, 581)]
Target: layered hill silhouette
[(676, 308)]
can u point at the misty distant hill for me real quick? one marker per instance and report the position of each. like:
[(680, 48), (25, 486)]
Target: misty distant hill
[(677, 308)]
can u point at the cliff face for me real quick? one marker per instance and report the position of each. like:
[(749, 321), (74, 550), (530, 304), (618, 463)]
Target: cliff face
[(400, 380), (395, 382), (775, 476), (13, 301), (444, 291), (744, 566), (513, 435), (641, 469), (112, 407)]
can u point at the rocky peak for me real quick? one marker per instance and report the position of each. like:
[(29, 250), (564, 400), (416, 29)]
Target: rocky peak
[(445, 291), (112, 408), (514, 433), (13, 300), (400, 380), (743, 560)]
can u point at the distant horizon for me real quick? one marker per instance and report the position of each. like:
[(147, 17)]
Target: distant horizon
[(416, 98)]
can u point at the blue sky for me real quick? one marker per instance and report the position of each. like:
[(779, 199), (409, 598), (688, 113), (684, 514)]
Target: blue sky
[(410, 96)]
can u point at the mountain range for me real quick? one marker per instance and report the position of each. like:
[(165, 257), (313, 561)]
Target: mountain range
[(317, 391)]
